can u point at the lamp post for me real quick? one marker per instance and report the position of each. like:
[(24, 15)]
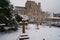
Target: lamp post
[(23, 23), (23, 36)]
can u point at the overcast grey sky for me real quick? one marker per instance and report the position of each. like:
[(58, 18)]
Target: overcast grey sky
[(46, 5)]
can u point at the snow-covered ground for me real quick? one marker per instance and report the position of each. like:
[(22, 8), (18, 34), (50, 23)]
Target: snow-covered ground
[(9, 36), (34, 34)]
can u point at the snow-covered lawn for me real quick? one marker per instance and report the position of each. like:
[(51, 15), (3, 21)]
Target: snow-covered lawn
[(10, 36), (44, 32), (34, 34)]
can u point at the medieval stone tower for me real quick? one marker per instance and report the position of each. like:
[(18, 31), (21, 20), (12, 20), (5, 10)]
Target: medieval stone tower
[(32, 10)]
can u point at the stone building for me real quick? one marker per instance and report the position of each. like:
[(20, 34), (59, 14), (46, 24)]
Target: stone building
[(32, 10)]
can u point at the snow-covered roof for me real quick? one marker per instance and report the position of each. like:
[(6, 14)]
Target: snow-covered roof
[(25, 17), (54, 17)]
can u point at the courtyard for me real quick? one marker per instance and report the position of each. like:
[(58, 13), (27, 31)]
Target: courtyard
[(44, 32)]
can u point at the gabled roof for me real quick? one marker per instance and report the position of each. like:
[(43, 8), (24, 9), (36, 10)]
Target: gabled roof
[(19, 7)]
